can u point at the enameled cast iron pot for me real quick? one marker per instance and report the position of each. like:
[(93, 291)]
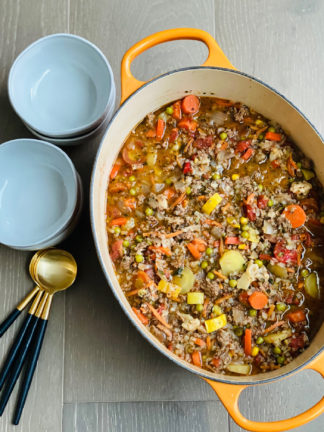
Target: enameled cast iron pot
[(215, 77)]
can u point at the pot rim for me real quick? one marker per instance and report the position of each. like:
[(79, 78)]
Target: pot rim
[(150, 339)]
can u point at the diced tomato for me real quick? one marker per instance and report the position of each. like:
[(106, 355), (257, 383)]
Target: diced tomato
[(116, 250), (297, 341), (262, 201), (265, 257), (244, 298), (275, 164), (216, 362), (249, 212), (173, 135), (203, 143), (232, 241), (151, 133), (242, 146), (187, 168), (284, 255)]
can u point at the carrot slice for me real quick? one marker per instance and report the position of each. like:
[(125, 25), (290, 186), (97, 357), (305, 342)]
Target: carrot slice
[(232, 241), (115, 170), (163, 250), (151, 133), (188, 124), (174, 234), (208, 343), (177, 110), (118, 221), (273, 326), (193, 249), (144, 320), (295, 214), (190, 104), (160, 128), (296, 316), (249, 152), (158, 316), (248, 341), (272, 136), (200, 342), (258, 300), (196, 358)]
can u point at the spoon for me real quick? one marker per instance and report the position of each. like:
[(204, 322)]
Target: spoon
[(19, 308), (55, 270)]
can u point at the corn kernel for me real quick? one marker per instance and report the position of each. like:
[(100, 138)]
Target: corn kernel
[(235, 177), (255, 351), (242, 246)]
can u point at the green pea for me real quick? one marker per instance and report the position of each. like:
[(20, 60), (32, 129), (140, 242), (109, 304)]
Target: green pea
[(204, 264), (281, 307), (232, 283), (259, 122), (270, 203), (259, 340), (259, 262), (125, 243), (223, 136), (210, 275), (168, 181), (117, 230), (209, 251), (132, 191), (245, 228), (271, 129), (148, 211), (132, 178), (260, 137), (252, 313), (217, 310), (245, 234), (276, 350), (260, 186), (216, 176), (299, 165), (238, 331), (139, 258), (188, 190), (139, 238), (280, 360), (169, 110), (304, 273), (199, 307)]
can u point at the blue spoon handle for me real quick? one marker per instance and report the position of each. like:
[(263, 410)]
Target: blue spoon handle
[(30, 369)]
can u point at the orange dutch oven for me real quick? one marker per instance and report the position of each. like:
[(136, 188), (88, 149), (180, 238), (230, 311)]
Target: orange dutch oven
[(216, 77)]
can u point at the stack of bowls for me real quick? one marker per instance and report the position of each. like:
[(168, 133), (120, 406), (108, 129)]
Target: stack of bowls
[(62, 87), (40, 194)]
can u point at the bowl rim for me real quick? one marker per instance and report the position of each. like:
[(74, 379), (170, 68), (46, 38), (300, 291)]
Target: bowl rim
[(73, 194), (71, 131), (286, 370), (78, 139)]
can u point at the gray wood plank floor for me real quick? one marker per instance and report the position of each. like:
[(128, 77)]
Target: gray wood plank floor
[(93, 360)]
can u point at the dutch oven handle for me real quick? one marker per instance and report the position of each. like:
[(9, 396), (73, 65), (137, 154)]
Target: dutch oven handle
[(216, 57), (229, 394)]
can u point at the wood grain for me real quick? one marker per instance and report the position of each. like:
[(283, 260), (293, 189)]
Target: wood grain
[(145, 417), (21, 23), (105, 358)]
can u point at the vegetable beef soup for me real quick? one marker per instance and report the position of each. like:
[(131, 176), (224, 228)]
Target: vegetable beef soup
[(215, 226)]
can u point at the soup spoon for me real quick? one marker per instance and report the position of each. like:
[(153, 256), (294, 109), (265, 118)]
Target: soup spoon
[(19, 308), (55, 270)]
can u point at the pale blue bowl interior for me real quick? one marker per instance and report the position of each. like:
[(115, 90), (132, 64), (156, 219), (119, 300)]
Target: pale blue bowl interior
[(38, 191), (60, 85)]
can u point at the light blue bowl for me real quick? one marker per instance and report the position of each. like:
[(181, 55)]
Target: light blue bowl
[(61, 85), (38, 192)]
